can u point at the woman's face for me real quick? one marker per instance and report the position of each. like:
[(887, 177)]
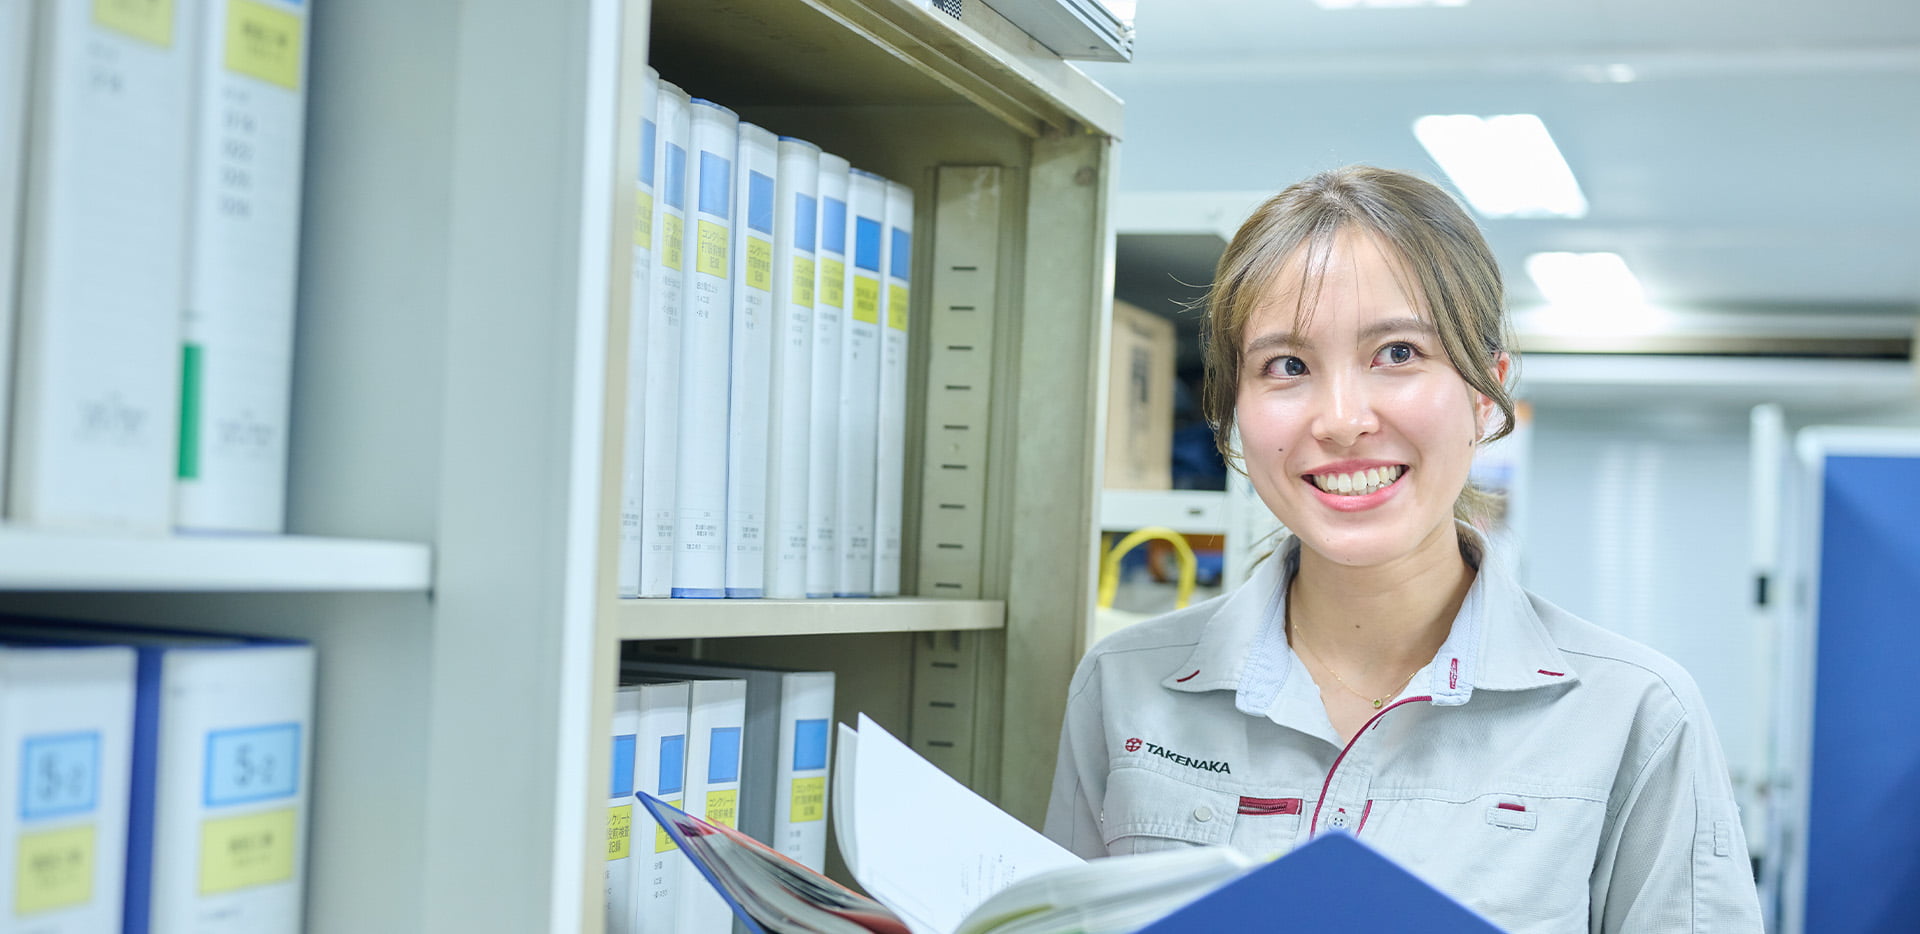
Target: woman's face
[(1357, 431)]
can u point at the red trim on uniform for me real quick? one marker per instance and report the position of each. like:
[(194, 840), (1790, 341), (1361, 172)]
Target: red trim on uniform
[(1264, 806), (1553, 674), (1187, 678), (1504, 806), (1349, 748), (1453, 676), (1363, 817)]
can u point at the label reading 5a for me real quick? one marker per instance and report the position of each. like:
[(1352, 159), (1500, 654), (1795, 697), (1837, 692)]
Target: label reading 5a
[(897, 307), (759, 264), (60, 774), (53, 869), (643, 220), (252, 764), (619, 831), (149, 20), (723, 807), (237, 852), (866, 299), (712, 258), (263, 43), (809, 799)]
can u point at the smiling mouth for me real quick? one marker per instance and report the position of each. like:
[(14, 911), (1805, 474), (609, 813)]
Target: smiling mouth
[(1358, 483)]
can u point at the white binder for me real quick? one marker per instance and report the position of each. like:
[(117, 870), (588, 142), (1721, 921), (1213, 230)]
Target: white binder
[(97, 383), (623, 817), (16, 47), (633, 452), (243, 255), (700, 517), (890, 442), (659, 464), (860, 384), (66, 732), (800, 791), (796, 225), (716, 715), (661, 771), (751, 361), (823, 425)]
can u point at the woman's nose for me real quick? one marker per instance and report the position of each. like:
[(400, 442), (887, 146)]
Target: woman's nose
[(1344, 413)]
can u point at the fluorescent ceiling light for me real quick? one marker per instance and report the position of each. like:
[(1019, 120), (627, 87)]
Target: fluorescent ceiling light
[(1383, 4), (1506, 166), (1591, 293)]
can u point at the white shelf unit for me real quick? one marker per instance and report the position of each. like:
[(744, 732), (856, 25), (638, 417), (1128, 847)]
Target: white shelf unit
[(461, 299), (1189, 512)]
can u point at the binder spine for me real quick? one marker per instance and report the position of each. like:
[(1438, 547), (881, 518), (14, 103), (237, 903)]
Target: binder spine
[(699, 556), (659, 466), (860, 384), (823, 426), (639, 295), (16, 57), (750, 383), (796, 225), (891, 431)]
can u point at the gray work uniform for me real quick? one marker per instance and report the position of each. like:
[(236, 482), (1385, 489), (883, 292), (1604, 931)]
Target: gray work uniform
[(1545, 771)]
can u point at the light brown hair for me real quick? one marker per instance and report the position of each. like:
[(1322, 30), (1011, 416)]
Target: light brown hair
[(1429, 234)]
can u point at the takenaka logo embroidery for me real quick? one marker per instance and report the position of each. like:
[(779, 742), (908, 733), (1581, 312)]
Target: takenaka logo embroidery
[(1205, 765)]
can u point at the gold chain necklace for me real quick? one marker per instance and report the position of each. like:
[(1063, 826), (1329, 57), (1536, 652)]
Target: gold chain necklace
[(1375, 701)]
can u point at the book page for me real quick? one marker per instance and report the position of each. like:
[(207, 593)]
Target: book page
[(929, 848)]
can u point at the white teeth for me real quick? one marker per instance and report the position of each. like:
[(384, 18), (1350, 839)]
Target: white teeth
[(1361, 483)]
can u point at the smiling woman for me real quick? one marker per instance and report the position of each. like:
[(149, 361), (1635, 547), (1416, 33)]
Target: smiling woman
[(1383, 675)]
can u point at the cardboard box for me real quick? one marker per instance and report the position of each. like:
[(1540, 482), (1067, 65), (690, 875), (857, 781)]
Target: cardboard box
[(1140, 378)]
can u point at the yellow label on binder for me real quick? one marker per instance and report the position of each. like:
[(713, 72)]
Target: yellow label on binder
[(661, 841), (712, 258), (831, 290), (619, 831), (264, 43), (866, 299), (723, 807), (809, 799), (802, 282), (643, 220), (673, 253), (149, 20), (237, 852), (759, 264), (53, 869), (897, 307)]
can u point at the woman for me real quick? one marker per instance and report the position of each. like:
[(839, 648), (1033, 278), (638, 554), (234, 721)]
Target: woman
[(1383, 674)]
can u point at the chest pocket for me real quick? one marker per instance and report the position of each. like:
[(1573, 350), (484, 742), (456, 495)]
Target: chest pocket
[(1146, 811)]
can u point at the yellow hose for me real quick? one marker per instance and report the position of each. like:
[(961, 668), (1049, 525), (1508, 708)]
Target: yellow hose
[(1110, 563)]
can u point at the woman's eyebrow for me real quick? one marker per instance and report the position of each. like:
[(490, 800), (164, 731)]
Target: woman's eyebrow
[(1380, 329), (1273, 339)]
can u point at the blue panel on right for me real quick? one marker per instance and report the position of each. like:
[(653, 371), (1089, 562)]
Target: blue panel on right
[(1863, 861)]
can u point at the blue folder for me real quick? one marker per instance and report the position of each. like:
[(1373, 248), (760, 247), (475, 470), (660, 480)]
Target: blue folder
[(1334, 883)]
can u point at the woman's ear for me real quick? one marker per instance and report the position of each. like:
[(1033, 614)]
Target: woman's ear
[(1484, 409)]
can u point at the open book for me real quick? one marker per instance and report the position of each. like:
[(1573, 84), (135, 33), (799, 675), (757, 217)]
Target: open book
[(939, 859)]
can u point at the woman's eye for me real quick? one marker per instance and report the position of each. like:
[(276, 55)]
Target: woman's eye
[(1395, 354), (1287, 366)]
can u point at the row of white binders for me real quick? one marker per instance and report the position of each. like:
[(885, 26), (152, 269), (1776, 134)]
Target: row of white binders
[(150, 188), (766, 408), (743, 747), (152, 781)]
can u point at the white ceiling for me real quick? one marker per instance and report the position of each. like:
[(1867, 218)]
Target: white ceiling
[(1758, 156)]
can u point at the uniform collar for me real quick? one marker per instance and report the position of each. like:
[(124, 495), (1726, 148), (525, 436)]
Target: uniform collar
[(1497, 643)]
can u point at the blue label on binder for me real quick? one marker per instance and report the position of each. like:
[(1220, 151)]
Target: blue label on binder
[(622, 766), (805, 218), (59, 774), (866, 243), (760, 202), (673, 765), (723, 761), (648, 134), (809, 745), (833, 225), (676, 177), (716, 184), (252, 764), (902, 258)]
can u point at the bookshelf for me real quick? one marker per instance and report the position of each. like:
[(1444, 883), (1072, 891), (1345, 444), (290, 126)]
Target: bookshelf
[(454, 481)]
